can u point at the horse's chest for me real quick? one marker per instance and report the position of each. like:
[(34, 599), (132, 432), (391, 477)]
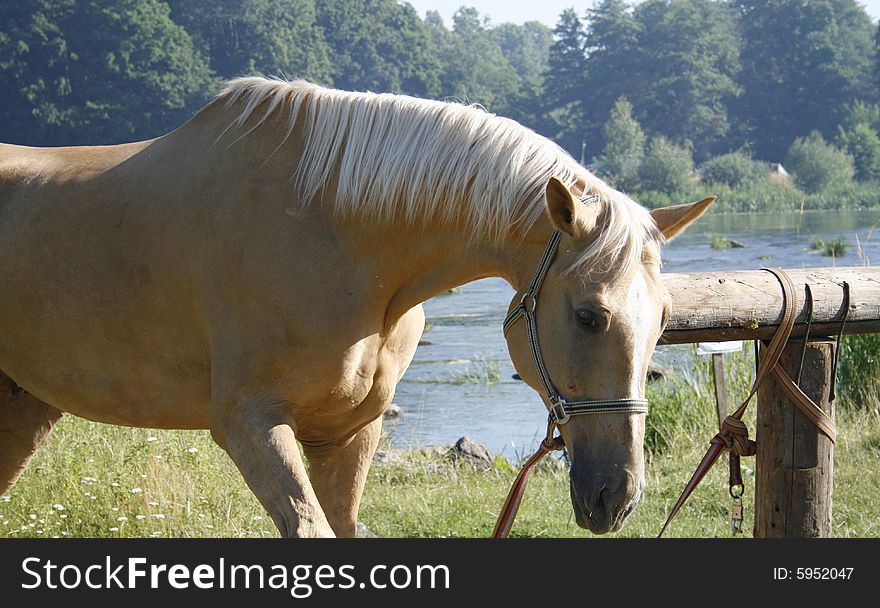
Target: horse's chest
[(369, 371)]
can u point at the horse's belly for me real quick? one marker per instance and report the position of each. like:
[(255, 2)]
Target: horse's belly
[(121, 391)]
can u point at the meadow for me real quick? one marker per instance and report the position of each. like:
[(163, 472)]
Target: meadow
[(93, 480)]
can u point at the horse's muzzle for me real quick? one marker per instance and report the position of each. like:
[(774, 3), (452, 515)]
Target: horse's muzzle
[(602, 505)]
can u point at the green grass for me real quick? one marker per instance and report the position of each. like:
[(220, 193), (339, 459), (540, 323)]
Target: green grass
[(480, 371), (832, 249), (719, 242), (716, 241), (180, 484)]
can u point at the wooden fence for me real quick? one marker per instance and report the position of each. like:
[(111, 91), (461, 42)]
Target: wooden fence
[(794, 469)]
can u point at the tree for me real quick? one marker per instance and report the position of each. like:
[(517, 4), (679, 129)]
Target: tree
[(611, 67), (379, 45), (474, 69), (666, 168), (863, 144), (734, 169), (803, 64), (876, 73), (687, 60), (624, 147), (816, 164), (527, 49), (243, 37), (95, 71), (563, 84)]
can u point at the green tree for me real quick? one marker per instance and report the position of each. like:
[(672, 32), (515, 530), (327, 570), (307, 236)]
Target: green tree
[(526, 48), (474, 69), (243, 37), (861, 112), (624, 147), (803, 64), (734, 169), (863, 145), (688, 58), (666, 168), (611, 67), (876, 72), (816, 164), (563, 84), (95, 71), (379, 45)]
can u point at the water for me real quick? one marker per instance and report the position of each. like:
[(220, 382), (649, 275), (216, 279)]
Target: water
[(444, 394)]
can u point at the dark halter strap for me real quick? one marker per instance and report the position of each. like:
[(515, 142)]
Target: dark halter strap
[(561, 410)]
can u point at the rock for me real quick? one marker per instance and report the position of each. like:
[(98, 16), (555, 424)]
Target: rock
[(516, 377), (363, 531), (656, 371), (393, 411), (474, 453), (424, 343), (384, 457)]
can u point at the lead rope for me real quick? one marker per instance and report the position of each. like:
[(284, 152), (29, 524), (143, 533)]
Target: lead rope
[(734, 434), (514, 496)]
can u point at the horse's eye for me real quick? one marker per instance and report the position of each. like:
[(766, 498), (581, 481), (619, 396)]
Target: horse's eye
[(587, 318)]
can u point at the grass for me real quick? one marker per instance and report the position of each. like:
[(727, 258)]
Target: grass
[(716, 241), (832, 249), (480, 371), (93, 480)]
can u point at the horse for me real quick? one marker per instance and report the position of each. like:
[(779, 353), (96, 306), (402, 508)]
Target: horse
[(259, 272)]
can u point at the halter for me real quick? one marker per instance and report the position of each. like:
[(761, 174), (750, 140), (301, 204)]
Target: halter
[(561, 410)]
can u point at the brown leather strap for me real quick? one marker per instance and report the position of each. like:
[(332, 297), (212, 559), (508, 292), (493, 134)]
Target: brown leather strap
[(806, 405), (734, 434)]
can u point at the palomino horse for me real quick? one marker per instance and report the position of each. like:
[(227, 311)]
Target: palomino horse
[(259, 272)]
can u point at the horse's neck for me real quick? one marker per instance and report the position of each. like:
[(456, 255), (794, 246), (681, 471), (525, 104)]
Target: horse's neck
[(415, 264), (411, 263)]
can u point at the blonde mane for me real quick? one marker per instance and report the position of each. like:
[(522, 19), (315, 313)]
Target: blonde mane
[(398, 156)]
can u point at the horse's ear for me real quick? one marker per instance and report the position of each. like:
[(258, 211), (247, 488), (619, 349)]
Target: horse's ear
[(673, 220), (564, 209)]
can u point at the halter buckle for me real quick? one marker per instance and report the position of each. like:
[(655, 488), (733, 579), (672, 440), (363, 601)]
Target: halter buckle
[(557, 411), (529, 303)]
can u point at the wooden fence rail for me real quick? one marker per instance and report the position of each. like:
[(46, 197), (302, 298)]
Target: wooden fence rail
[(747, 304), (794, 466)]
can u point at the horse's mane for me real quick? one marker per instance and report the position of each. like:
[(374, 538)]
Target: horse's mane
[(400, 156)]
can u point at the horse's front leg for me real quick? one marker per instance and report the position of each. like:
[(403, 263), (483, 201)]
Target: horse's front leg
[(338, 477), (257, 435)]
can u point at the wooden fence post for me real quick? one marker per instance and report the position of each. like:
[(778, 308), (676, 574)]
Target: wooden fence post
[(720, 387), (794, 468)]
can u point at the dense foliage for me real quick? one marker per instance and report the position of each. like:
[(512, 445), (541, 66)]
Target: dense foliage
[(709, 77)]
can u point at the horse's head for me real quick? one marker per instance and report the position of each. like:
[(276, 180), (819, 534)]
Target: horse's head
[(596, 317)]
